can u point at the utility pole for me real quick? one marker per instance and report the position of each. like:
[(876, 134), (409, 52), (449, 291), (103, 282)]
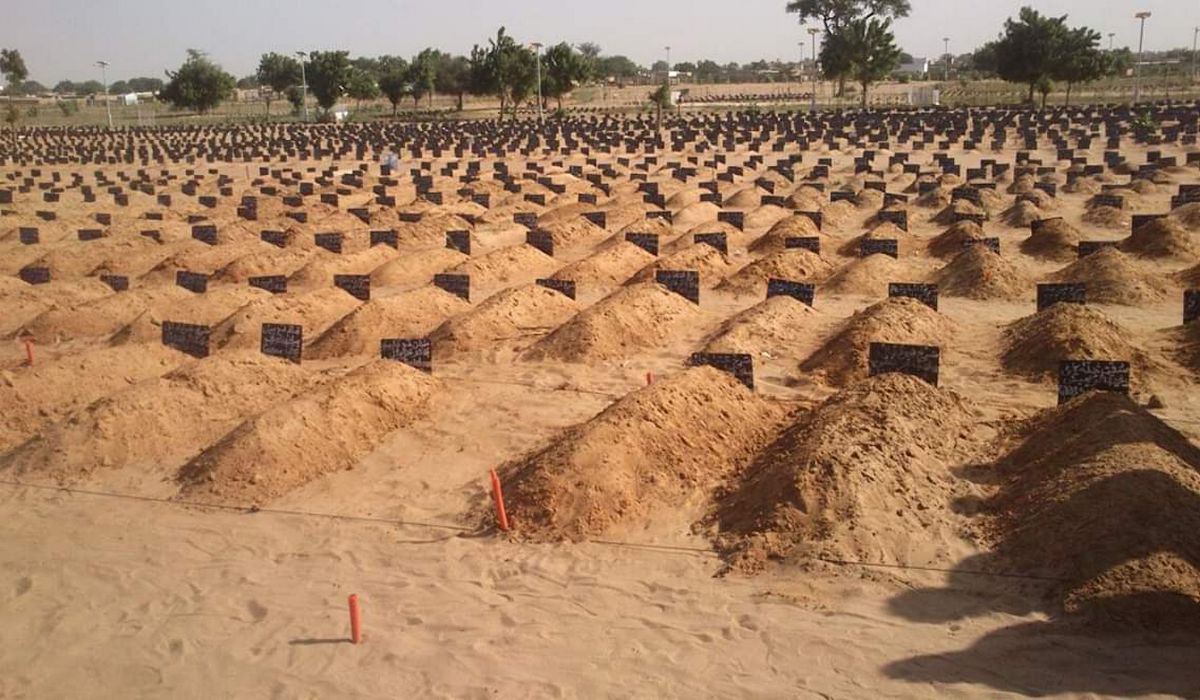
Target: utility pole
[(1195, 33), (303, 83), (946, 55), (1110, 40), (1137, 67), (104, 78), (537, 47), (800, 70), (813, 32)]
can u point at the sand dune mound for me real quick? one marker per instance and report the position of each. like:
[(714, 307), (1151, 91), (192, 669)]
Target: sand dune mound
[(413, 314), (701, 257), (843, 358), (1106, 217), (949, 243), (276, 452), (685, 198), (101, 318), (1034, 345), (838, 214), (979, 273), (1161, 238), (609, 267), (775, 327), (159, 424), (1022, 214), (49, 391), (80, 259), (866, 476), (1054, 239), (795, 264), (1186, 350), (1111, 278), (869, 276), (662, 227), (956, 209), (319, 271), (679, 438), (408, 271), (1120, 490), (513, 317), (313, 311), (1188, 215), (265, 263), (430, 231), (506, 266), (633, 319)]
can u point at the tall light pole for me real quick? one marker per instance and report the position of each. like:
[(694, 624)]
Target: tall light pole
[(537, 47), (946, 58), (303, 83), (1137, 67), (1195, 34), (104, 78), (800, 69), (1110, 40), (813, 31), (667, 73)]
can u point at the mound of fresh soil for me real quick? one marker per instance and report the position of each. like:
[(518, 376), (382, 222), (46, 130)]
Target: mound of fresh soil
[(1106, 217), (1022, 214), (949, 214), (863, 477), (513, 317), (413, 314), (409, 271), (843, 358), (201, 309), (868, 276), (609, 267), (1161, 238), (278, 451), (1188, 215), (1112, 279), (319, 272), (315, 312), (949, 243), (796, 264), (1054, 239), (101, 318), (701, 257), (506, 266), (979, 273), (776, 327), (661, 448), (1034, 345), (263, 263)]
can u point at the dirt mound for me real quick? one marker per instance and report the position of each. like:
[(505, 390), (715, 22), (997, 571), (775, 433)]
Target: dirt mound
[(744, 199), (632, 319), (1161, 238), (1188, 215), (1022, 214), (1112, 279), (868, 276), (949, 214), (49, 391), (265, 263), (1034, 345), (574, 232), (1053, 239), (277, 451), (678, 439), (979, 273), (159, 424), (935, 198), (795, 264), (1120, 490), (701, 257), (765, 216), (774, 327), (24, 302), (514, 317), (101, 318), (194, 256), (319, 271), (408, 271), (609, 267), (696, 214), (949, 243), (843, 358), (201, 309), (410, 315), (1106, 217), (866, 476), (520, 264), (838, 214), (312, 311)]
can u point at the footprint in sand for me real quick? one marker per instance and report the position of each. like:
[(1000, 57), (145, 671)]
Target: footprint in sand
[(257, 610), (24, 584)]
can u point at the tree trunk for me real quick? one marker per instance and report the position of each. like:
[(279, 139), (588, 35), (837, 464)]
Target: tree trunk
[(1067, 101), (394, 106), (864, 95), (268, 100), (1044, 96), (1031, 86), (841, 86), (460, 101)]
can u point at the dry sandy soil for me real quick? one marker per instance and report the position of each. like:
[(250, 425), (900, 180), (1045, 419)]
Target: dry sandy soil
[(184, 527)]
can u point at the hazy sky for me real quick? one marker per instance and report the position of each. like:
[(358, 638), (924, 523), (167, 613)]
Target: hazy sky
[(62, 39)]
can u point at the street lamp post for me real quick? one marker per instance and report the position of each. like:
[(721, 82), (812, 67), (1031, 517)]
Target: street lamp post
[(303, 83), (1195, 34), (800, 70), (537, 47), (946, 57), (813, 31), (1137, 67), (1110, 41), (104, 78)]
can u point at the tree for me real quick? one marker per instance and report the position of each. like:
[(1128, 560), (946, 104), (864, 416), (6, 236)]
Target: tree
[(503, 68), (686, 67), (616, 67), (707, 71), (248, 82), (145, 84), (12, 67), (90, 87), (278, 72), (118, 88), (985, 59), (865, 50), (453, 77), (199, 84), (328, 73), (661, 99), (1029, 49), (32, 87), (394, 82), (1081, 61), (295, 97), (422, 75), (564, 70), (659, 66), (66, 87), (361, 86), (835, 14)]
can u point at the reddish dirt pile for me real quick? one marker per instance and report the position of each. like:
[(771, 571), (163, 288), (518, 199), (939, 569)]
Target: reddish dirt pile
[(1106, 497), (512, 318), (843, 358), (1106, 217), (278, 451), (666, 446), (795, 264), (1034, 345), (978, 273), (774, 327), (866, 476), (1112, 278), (1161, 238), (410, 315), (1054, 239)]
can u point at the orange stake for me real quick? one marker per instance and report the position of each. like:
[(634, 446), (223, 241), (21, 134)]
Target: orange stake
[(29, 351), (355, 620), (649, 378), (498, 494)]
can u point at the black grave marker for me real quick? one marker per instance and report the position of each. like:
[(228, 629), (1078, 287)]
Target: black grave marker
[(458, 285), (717, 240), (414, 352), (192, 281), (357, 286), (564, 287), (685, 283), (740, 365), (188, 338), (927, 294), (118, 283), (873, 246), (275, 284), (1060, 292), (1077, 377), (801, 291), (459, 240), (646, 241), (920, 361), (284, 340)]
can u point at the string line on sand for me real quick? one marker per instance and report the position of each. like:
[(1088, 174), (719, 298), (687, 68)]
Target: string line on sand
[(466, 531)]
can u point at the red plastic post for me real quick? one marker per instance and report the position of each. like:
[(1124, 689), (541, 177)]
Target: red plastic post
[(649, 378), (355, 619), (498, 494), (29, 351)]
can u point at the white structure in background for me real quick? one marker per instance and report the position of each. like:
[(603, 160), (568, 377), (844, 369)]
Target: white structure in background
[(129, 100), (924, 96), (916, 68)]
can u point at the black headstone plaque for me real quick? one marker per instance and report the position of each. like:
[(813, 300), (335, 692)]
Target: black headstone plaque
[(192, 281), (118, 283), (90, 234), (284, 340), (542, 240), (186, 337), (812, 243), (275, 238), (34, 274), (1086, 248), (1191, 305), (598, 218), (873, 246), (1060, 292), (991, 243), (414, 352), (898, 217), (716, 240), (205, 233), (459, 240), (386, 237), (458, 285), (28, 235), (527, 219), (275, 284), (927, 294), (740, 365), (357, 286), (646, 241), (329, 241), (564, 287), (685, 283), (797, 290), (735, 219), (921, 361), (1077, 377)]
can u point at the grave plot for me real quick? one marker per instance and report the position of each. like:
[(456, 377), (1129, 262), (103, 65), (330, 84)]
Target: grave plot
[(507, 321), (1112, 277), (413, 314)]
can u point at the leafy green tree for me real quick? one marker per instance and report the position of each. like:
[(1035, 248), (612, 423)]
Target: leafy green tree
[(65, 87), (453, 77), (985, 59), (422, 75), (278, 72), (12, 67), (1120, 61), (295, 97), (199, 84), (393, 83), (835, 14), (361, 86), (248, 82), (661, 99), (145, 84), (1081, 59), (505, 69), (32, 87), (118, 88), (659, 66), (90, 87), (1030, 48), (616, 67), (564, 70), (707, 71), (371, 66), (328, 72), (865, 51)]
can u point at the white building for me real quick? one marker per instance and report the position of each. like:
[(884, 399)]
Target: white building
[(915, 68)]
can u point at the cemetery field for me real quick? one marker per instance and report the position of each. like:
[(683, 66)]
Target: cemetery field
[(894, 404)]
